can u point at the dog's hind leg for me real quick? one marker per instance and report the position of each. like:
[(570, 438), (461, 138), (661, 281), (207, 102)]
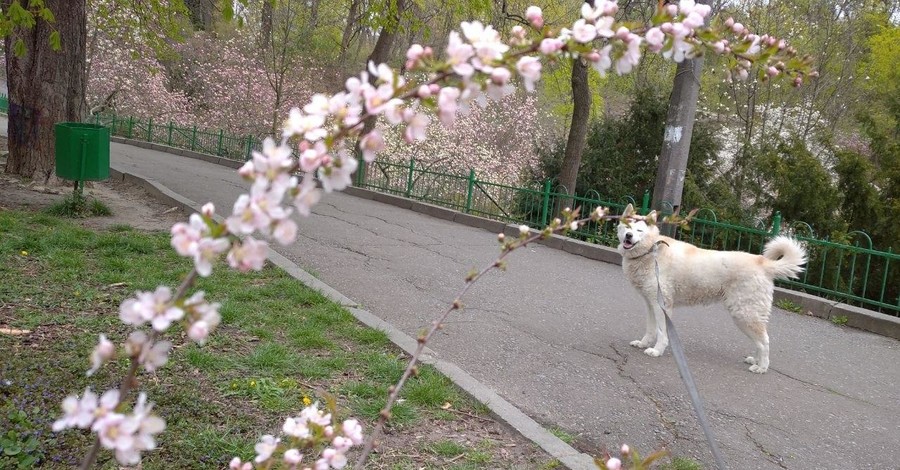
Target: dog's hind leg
[(650, 333)]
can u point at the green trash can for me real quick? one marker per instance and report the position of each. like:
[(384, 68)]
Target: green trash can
[(82, 151)]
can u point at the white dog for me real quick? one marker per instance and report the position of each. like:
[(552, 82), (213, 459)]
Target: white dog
[(691, 276)]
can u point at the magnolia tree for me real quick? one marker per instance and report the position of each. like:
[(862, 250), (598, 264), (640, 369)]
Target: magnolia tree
[(129, 80), (478, 63), (497, 139), (223, 80), (123, 70)]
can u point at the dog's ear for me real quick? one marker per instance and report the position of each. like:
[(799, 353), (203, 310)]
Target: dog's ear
[(628, 212), (651, 218)]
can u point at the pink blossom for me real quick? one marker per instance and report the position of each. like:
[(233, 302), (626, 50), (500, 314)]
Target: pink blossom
[(77, 413), (285, 232), (353, 431), (307, 125), (265, 447), (530, 69), (655, 39), (319, 105), (377, 99), (535, 16), (292, 457), (185, 237), (614, 464), (208, 249), (156, 356), (583, 31), (371, 144), (458, 55), (248, 254), (307, 195), (155, 307), (602, 60), (102, 353), (311, 158), (336, 176), (447, 105), (416, 126), (551, 46), (334, 458), (632, 55), (604, 26), (237, 464)]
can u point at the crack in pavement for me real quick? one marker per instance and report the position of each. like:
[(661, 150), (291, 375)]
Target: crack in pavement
[(772, 457), (435, 240), (667, 423), (823, 388)]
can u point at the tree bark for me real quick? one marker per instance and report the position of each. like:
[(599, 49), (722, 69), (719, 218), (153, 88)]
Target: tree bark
[(677, 139), (578, 128), (380, 54), (348, 31), (265, 24), (202, 13), (45, 87)]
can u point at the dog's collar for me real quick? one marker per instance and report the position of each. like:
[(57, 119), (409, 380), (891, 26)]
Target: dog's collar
[(651, 250)]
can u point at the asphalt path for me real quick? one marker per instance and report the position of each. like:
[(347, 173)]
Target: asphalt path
[(551, 336)]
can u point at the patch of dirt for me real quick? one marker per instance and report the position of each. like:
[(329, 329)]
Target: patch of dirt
[(130, 205)]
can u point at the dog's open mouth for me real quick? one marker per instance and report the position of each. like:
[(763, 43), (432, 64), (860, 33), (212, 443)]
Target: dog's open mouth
[(627, 245)]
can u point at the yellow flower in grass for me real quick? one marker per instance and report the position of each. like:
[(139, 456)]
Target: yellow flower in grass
[(306, 401), (252, 383), (24, 253)]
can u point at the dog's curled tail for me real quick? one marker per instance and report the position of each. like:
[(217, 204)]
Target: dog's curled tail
[(788, 257)]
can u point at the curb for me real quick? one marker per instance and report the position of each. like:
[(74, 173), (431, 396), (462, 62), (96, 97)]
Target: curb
[(857, 317), (504, 411)]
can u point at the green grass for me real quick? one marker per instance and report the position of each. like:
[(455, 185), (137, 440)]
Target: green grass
[(788, 305), (839, 320), (280, 346), (76, 206), (562, 435), (681, 463)]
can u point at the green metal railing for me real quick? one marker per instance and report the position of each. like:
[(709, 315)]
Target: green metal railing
[(852, 272)]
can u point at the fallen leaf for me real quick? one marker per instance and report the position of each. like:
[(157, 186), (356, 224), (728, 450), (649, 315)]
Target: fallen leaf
[(446, 406)]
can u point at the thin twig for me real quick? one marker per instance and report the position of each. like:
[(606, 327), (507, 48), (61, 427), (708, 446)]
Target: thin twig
[(437, 324)]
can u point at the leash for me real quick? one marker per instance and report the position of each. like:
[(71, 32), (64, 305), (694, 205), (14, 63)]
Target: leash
[(681, 361)]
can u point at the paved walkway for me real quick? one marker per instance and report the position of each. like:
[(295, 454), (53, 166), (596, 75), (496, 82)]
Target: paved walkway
[(551, 336)]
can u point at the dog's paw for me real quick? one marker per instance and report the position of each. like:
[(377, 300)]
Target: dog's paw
[(640, 343), (750, 360), (652, 352), (757, 369)]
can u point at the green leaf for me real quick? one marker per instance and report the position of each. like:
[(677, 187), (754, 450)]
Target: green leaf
[(19, 48), (12, 450), (55, 42), (47, 15), (228, 11)]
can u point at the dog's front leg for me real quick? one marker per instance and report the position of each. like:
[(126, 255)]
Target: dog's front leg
[(662, 336), (650, 333)]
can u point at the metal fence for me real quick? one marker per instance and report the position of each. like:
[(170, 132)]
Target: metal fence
[(853, 272)]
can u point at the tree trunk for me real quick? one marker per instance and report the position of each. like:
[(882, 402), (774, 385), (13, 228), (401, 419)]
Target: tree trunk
[(348, 31), (578, 128), (380, 54), (677, 139), (45, 87), (265, 24), (202, 13), (313, 15)]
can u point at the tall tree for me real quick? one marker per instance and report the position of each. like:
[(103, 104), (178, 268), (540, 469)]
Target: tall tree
[(46, 86), (578, 127)]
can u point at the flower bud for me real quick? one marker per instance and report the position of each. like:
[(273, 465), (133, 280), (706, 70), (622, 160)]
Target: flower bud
[(798, 81), (424, 91), (672, 9), (208, 209), (523, 230), (737, 28), (614, 464), (625, 449), (535, 16), (729, 22), (772, 71)]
